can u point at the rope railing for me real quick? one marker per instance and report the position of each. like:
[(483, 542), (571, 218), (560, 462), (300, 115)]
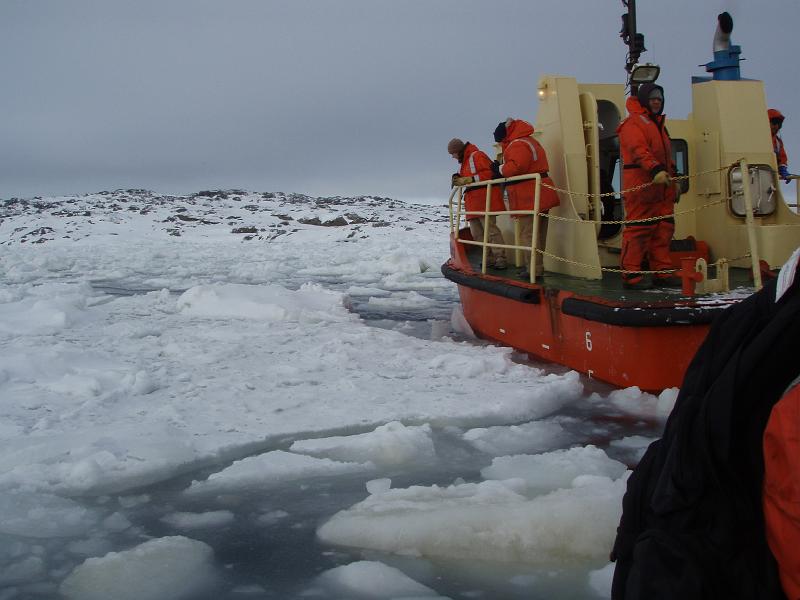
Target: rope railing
[(638, 187), (601, 195), (539, 183), (717, 263)]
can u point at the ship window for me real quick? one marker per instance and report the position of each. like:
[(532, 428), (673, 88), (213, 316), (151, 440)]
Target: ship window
[(761, 180), (680, 156)]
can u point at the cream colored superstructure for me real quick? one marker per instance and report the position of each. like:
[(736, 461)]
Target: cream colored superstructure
[(576, 123)]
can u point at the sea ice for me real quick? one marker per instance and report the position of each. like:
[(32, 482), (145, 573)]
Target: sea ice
[(635, 402), (170, 567), (528, 438), (32, 515), (388, 445), (632, 447), (312, 303), (273, 468), (488, 521), (556, 469), (370, 580), (600, 580)]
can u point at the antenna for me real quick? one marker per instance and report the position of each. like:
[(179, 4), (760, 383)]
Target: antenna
[(632, 39)]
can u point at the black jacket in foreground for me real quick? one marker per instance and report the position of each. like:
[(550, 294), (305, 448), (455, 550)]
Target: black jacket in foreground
[(692, 524)]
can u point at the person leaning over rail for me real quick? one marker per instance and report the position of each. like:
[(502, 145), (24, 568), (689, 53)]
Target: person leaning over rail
[(775, 123), (647, 158), (476, 166), (524, 155)]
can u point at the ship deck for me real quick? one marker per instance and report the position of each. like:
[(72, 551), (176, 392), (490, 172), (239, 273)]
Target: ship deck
[(610, 286)]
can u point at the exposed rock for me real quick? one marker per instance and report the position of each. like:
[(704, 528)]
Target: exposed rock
[(41, 231), (354, 218), (337, 222)]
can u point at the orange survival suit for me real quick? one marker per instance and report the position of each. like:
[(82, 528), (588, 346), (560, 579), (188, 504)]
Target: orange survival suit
[(645, 148), (476, 164), (523, 155)]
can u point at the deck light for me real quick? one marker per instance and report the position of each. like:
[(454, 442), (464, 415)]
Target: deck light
[(646, 73), (542, 89)]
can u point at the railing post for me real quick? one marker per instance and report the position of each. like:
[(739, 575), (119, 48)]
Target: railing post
[(797, 194), (751, 224), (535, 235), (450, 209), (458, 210), (485, 254)]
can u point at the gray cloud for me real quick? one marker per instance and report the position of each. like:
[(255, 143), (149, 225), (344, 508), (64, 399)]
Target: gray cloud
[(346, 97)]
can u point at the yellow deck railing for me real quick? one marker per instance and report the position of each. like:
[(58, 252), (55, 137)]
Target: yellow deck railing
[(457, 210)]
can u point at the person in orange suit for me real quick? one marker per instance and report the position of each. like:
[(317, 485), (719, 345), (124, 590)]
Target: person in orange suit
[(476, 166), (647, 159), (524, 155), (775, 123)]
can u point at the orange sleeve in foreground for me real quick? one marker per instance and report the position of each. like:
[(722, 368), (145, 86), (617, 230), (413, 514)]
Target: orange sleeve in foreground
[(782, 489)]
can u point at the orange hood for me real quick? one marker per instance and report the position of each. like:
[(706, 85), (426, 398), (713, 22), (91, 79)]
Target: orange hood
[(518, 128)]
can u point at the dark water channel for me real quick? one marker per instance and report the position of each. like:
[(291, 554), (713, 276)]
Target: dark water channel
[(280, 557)]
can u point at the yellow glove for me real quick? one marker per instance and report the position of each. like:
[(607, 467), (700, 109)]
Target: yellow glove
[(462, 180), (661, 178)]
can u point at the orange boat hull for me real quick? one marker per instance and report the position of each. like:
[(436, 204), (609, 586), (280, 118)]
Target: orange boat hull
[(629, 351), (652, 358)]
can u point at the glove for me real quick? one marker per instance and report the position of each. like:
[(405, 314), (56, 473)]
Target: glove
[(784, 173), (453, 179), (661, 178), (496, 174), (677, 197), (462, 180)]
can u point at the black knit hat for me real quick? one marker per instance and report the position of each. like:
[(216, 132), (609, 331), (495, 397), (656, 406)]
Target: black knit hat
[(500, 132)]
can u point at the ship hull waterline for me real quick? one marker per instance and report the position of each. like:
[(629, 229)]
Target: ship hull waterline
[(649, 347)]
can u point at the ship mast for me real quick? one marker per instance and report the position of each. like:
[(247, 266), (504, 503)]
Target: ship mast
[(637, 74)]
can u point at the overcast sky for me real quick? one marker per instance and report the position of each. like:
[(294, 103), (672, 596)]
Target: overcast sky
[(325, 97)]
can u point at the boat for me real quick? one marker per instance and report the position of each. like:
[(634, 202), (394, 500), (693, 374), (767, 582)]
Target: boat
[(732, 231)]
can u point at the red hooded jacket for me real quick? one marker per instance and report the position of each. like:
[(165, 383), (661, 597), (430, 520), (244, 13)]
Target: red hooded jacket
[(522, 155), (777, 142), (478, 166), (646, 150)]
